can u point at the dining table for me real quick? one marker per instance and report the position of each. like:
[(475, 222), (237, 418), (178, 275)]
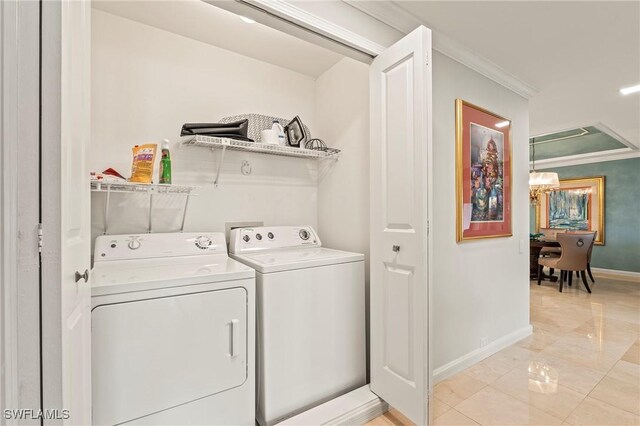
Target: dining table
[(535, 246)]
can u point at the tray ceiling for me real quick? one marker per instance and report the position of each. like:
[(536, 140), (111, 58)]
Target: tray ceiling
[(583, 140)]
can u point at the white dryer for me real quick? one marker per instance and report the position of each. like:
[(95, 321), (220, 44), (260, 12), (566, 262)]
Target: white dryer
[(172, 331), (310, 315)]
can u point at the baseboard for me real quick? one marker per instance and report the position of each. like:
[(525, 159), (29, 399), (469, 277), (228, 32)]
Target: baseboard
[(466, 361), (616, 274), (353, 409)]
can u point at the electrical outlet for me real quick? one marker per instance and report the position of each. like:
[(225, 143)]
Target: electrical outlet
[(484, 342)]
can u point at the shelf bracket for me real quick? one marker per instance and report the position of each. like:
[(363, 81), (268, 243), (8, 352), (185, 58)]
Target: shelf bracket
[(150, 209), (184, 212), (106, 210), (224, 149)]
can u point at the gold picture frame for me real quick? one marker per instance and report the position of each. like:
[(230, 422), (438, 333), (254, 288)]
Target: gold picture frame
[(483, 173), (589, 191)]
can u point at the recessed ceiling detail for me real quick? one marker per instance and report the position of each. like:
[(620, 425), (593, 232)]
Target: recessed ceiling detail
[(558, 136), (583, 140)]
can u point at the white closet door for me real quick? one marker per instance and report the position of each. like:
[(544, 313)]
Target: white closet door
[(75, 215), (400, 80)]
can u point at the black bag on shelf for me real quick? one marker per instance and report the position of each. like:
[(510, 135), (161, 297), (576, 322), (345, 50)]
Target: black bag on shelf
[(236, 130)]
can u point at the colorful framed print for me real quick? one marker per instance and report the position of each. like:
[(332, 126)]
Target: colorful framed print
[(483, 173), (578, 205)]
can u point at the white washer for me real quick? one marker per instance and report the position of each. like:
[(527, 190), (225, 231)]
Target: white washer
[(173, 331), (311, 318)]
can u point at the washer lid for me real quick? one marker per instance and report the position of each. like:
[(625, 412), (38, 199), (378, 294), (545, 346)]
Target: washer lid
[(121, 276), (298, 258)]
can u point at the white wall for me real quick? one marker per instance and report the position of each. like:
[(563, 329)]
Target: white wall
[(147, 82), (342, 108), (480, 288)]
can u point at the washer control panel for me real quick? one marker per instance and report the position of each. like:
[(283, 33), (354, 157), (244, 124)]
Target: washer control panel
[(148, 246), (244, 240)]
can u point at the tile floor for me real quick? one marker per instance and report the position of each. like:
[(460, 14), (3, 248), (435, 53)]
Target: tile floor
[(581, 366)]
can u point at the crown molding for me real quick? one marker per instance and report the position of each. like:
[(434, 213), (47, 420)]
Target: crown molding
[(588, 158), (398, 18), (492, 71), (388, 13)]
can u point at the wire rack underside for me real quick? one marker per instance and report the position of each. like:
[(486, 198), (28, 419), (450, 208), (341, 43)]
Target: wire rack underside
[(143, 188), (213, 142)]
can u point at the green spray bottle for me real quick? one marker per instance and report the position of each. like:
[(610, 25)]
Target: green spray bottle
[(165, 164)]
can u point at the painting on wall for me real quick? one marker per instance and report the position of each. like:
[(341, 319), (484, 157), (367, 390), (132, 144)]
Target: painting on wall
[(483, 173), (578, 205)]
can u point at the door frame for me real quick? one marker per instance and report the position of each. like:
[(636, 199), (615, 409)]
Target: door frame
[(8, 210), (20, 378), (51, 27)]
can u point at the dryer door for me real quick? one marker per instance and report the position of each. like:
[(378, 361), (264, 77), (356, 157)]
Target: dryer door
[(154, 354)]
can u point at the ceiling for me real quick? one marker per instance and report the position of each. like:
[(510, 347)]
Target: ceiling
[(583, 140), (200, 21), (578, 54)]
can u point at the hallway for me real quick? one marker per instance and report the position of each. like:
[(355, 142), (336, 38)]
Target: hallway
[(581, 366)]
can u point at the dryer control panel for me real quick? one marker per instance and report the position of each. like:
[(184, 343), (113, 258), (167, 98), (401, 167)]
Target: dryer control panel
[(243, 240), (150, 246)]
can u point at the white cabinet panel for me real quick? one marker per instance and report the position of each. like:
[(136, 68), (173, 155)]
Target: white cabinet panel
[(149, 355)]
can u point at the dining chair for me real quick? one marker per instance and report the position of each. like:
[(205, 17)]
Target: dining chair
[(575, 250), (595, 235), (551, 234)]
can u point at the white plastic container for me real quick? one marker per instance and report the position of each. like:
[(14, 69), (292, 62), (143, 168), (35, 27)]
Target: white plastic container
[(277, 128)]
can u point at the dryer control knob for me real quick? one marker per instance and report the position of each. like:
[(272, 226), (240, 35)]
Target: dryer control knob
[(258, 237), (304, 234), (134, 244), (246, 238), (203, 242)]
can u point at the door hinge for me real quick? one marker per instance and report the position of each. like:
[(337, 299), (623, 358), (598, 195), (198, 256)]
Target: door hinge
[(428, 228), (39, 238), (426, 58)]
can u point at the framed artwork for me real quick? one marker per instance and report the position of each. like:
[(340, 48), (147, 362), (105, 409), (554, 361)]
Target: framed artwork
[(577, 205), (483, 173)]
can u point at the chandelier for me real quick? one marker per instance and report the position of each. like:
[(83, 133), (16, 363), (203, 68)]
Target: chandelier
[(540, 183)]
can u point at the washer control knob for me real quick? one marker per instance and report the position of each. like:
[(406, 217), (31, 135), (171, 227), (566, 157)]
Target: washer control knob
[(203, 242), (246, 238), (134, 244), (270, 235), (304, 234), (258, 237)]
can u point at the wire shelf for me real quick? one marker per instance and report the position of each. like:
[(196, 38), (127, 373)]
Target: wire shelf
[(213, 142), (144, 188), (141, 188)]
